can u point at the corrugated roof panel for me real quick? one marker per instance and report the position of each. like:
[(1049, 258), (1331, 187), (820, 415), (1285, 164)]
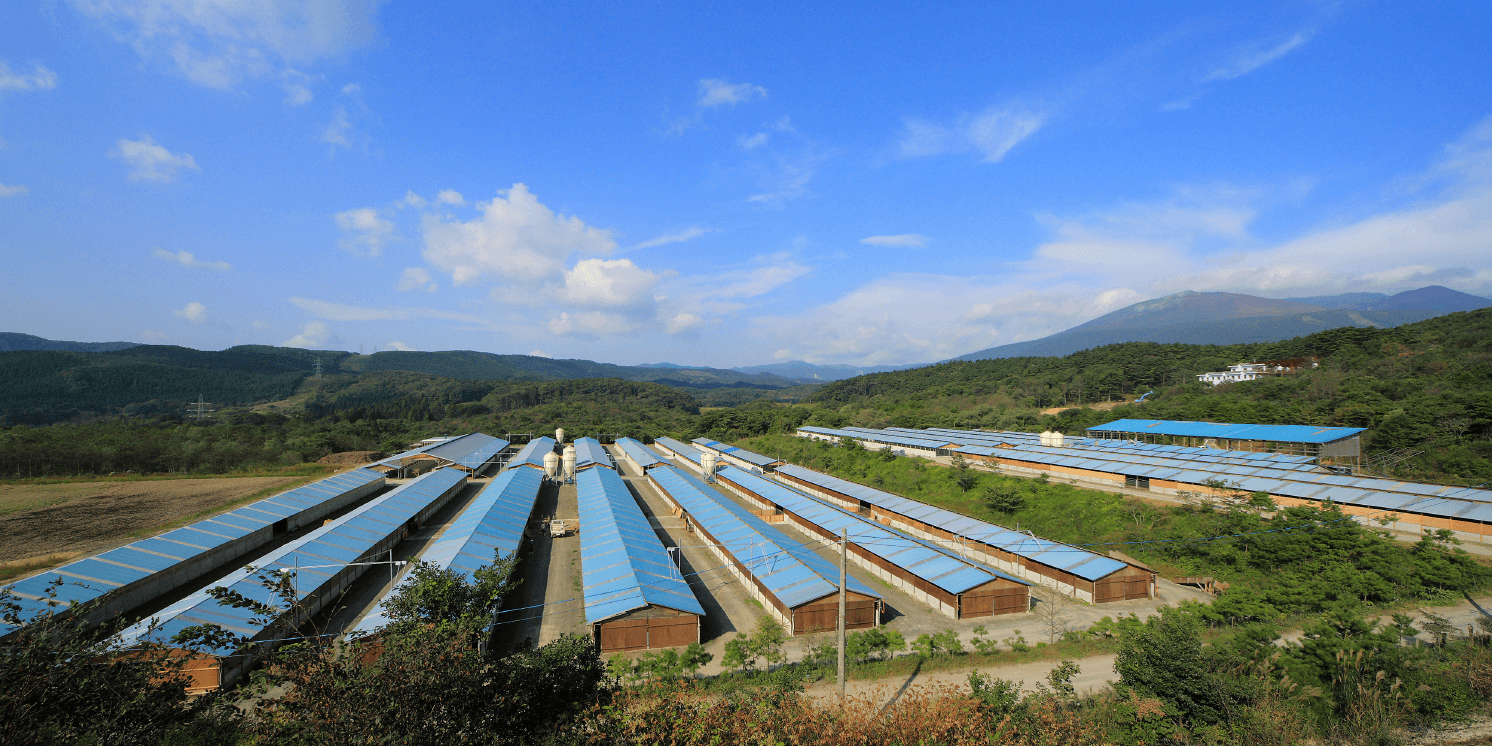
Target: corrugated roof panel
[(638, 452), (623, 564), (178, 545), (1276, 433), (921, 558), (589, 452), (533, 452), (1025, 546), (407, 499), (787, 568)]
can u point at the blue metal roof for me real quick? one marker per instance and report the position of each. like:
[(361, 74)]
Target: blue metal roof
[(471, 451), (924, 559), (782, 564), (741, 454), (888, 438), (589, 452), (714, 445), (1080, 562), (680, 449), (315, 557), (638, 452), (492, 524), (623, 564), (1280, 476), (88, 579), (1276, 433), (532, 453)]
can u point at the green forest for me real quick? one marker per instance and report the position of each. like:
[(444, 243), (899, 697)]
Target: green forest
[(1423, 390)]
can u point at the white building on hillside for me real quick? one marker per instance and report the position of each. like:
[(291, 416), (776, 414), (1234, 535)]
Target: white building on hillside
[(1252, 371)]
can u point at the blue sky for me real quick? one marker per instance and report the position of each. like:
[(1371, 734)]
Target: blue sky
[(631, 184)]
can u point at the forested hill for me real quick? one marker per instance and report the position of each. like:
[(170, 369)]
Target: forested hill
[(1425, 386), (44, 387)]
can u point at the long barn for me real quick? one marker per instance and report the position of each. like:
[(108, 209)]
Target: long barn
[(1091, 577), (956, 586)]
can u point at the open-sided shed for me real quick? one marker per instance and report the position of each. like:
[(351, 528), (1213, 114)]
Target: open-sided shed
[(325, 562), (125, 578)]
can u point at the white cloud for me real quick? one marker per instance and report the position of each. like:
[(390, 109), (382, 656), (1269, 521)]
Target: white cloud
[(992, 133), (260, 324), (515, 238), (342, 312), (450, 197), (688, 234), (217, 44), (756, 281), (1196, 238), (14, 191), (787, 182), (336, 132), (715, 92), (39, 79), (411, 199), (193, 312), (683, 322), (1255, 58), (596, 323), (401, 347), (366, 232), (614, 283), (539, 353), (996, 131), (757, 140), (187, 259), (298, 87), (313, 335), (151, 162), (416, 278), (903, 240)]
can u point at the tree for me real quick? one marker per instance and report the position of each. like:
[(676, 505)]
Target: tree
[(1054, 611), (1165, 658), (1003, 497), (61, 682), (764, 644), (964, 475), (442, 595)]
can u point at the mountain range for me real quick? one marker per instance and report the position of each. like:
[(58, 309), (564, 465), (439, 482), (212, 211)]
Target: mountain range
[(1233, 318), (1186, 317)]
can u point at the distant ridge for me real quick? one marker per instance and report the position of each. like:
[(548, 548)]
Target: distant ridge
[(17, 342), (1234, 318), (806, 371)]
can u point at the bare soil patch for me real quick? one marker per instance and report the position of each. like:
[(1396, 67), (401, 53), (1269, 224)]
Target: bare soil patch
[(1099, 407), (350, 458), (41, 520)]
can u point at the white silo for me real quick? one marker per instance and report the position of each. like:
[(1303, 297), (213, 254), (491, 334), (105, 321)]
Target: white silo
[(569, 462), (559, 435), (551, 464), (709, 460)]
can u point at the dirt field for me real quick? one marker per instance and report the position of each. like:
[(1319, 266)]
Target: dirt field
[(89, 517)]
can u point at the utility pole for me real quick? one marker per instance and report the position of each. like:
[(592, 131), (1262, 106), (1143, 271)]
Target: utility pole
[(199, 410), (844, 556)]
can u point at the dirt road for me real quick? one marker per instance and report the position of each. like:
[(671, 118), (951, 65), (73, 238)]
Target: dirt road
[(1095, 672)]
